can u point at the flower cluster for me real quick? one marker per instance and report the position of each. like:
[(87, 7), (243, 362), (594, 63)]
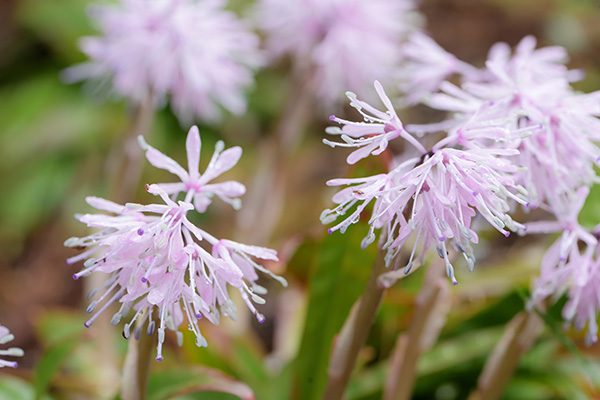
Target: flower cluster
[(571, 265), (192, 51), (532, 88), (5, 337), (346, 44), (517, 133), (163, 266), (435, 194)]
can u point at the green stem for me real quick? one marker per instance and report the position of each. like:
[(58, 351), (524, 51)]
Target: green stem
[(125, 169), (137, 365), (519, 335), (125, 162), (266, 197), (354, 333), (432, 306)]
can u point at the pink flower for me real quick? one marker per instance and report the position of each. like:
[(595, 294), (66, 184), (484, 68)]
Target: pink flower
[(571, 265), (373, 135), (530, 94), (584, 301), (160, 264), (435, 197), (193, 52), (196, 185), (346, 44), (444, 188), (5, 337), (426, 66)]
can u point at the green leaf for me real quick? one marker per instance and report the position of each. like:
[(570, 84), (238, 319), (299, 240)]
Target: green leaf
[(172, 383), (49, 364), (61, 332), (13, 388), (341, 273), (590, 213)]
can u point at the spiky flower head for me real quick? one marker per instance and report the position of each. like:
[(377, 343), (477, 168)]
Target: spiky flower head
[(345, 44), (163, 266), (527, 93), (571, 265), (531, 88), (192, 52), (435, 196)]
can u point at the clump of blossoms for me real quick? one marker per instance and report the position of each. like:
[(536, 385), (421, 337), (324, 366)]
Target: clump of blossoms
[(532, 86), (5, 337), (161, 265), (529, 87), (433, 195), (344, 44), (521, 110), (193, 52)]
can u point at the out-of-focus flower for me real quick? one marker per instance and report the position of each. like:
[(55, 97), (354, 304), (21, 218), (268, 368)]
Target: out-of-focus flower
[(530, 93), (426, 66), (196, 185), (5, 337), (584, 301), (191, 51), (435, 195), (160, 264), (571, 265), (346, 44)]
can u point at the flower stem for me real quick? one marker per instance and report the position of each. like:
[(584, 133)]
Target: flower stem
[(125, 169), (429, 316), (519, 335), (125, 162), (266, 201), (354, 333), (137, 365)]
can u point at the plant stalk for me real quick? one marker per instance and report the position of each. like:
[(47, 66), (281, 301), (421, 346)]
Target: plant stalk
[(519, 335), (266, 201), (137, 364), (354, 333), (124, 169), (429, 316), (125, 163)]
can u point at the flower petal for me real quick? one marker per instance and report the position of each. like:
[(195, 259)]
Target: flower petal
[(193, 144)]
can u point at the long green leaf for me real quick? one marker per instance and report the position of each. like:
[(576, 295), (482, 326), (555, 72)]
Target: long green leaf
[(339, 277), (49, 364)]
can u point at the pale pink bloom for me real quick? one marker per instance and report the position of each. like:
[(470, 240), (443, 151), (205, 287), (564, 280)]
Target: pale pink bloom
[(570, 265), (434, 197), (372, 135), (531, 91), (192, 52), (426, 66), (196, 186), (346, 44), (5, 337), (584, 299), (444, 187), (159, 269)]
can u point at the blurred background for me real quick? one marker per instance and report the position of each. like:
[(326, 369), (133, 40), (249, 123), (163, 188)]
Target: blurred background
[(57, 142)]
